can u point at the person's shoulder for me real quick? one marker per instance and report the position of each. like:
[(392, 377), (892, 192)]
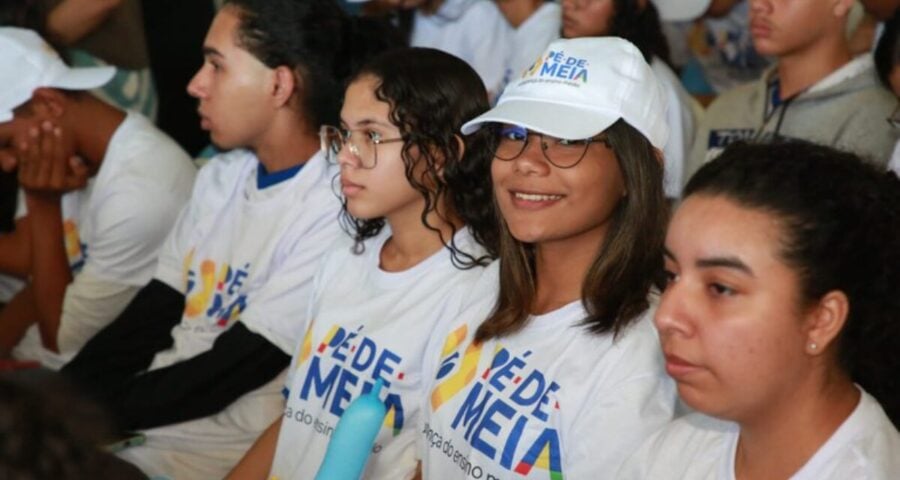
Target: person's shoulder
[(692, 446)]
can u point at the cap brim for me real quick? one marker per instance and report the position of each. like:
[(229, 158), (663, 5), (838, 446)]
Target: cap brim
[(560, 121), (680, 10), (85, 78)]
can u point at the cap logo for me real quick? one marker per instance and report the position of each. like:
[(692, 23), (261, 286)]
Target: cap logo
[(559, 66)]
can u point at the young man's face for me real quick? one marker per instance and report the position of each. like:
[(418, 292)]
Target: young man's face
[(784, 27), (233, 87)]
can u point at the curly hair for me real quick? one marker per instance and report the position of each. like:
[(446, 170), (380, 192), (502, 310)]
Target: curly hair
[(628, 264), (840, 222), (431, 94), (318, 41)]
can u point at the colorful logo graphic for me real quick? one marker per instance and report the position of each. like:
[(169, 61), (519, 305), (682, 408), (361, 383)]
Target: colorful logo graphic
[(214, 292), (507, 409), (558, 66), (344, 365), (76, 251)]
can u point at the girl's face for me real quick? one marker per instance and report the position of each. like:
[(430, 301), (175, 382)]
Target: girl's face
[(233, 86), (730, 322), (384, 190), (586, 18), (543, 204)]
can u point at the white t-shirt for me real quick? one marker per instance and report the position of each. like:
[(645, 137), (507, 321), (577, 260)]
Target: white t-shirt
[(367, 324), (865, 447), (532, 37), (473, 30), (549, 401), (682, 127), (113, 231), (894, 164), (239, 253)]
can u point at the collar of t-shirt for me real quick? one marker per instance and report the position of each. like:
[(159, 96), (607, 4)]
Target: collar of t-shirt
[(264, 179), (463, 240)]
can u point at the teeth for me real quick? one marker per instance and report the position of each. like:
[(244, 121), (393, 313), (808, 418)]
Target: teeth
[(533, 197)]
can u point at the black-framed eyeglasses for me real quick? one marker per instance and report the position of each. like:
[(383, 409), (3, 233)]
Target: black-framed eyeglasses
[(362, 144), (560, 152), (894, 119)]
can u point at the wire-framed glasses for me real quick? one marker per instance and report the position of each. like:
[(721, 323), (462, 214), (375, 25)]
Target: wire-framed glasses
[(560, 152), (362, 144)]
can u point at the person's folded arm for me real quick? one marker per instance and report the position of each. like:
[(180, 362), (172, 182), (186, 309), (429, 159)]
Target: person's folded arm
[(239, 362)]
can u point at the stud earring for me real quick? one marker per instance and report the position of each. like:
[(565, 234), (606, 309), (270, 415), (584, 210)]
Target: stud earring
[(813, 346)]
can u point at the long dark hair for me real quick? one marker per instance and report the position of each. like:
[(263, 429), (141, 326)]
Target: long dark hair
[(840, 230), (431, 94), (642, 27), (628, 263), (318, 41)]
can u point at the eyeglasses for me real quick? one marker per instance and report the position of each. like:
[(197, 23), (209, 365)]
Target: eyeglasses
[(894, 119), (560, 152), (362, 144)]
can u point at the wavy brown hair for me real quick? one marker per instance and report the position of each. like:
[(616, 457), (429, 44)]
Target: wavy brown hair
[(628, 264)]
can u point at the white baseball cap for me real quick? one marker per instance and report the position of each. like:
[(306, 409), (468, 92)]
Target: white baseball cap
[(579, 87), (680, 10), (27, 63)]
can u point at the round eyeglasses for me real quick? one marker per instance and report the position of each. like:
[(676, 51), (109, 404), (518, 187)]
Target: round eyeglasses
[(362, 144), (560, 152)]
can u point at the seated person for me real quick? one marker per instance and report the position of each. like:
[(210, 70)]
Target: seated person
[(196, 359), (91, 228), (816, 91), (779, 320)]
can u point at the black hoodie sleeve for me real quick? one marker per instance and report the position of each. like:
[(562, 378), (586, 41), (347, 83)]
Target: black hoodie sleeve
[(239, 361), (126, 346)]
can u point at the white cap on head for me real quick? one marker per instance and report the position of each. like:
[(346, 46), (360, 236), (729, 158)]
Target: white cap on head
[(27, 63), (680, 10), (579, 88)]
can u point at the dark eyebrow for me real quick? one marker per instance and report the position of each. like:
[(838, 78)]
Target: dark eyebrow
[(726, 262), (207, 51)]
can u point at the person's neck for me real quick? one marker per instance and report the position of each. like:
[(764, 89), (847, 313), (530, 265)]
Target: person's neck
[(518, 11), (561, 268), (411, 241), (804, 68), (92, 137), (285, 144), (787, 433)]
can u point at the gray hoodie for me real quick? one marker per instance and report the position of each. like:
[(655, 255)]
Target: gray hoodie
[(848, 110)]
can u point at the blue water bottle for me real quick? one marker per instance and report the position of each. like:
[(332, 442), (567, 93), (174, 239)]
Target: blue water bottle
[(353, 437)]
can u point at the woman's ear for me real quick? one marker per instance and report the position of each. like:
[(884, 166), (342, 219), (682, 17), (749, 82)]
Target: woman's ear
[(286, 83), (825, 321), (841, 8)]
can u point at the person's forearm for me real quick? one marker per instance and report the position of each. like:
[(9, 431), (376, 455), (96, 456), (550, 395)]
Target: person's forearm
[(72, 20), (257, 462), (50, 273), (15, 318), (239, 362), (15, 250)]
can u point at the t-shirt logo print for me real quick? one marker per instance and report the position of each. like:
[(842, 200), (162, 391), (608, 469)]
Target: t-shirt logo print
[(214, 293), (506, 414)]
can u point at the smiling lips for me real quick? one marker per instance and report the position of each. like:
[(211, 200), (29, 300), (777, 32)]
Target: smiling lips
[(532, 200)]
